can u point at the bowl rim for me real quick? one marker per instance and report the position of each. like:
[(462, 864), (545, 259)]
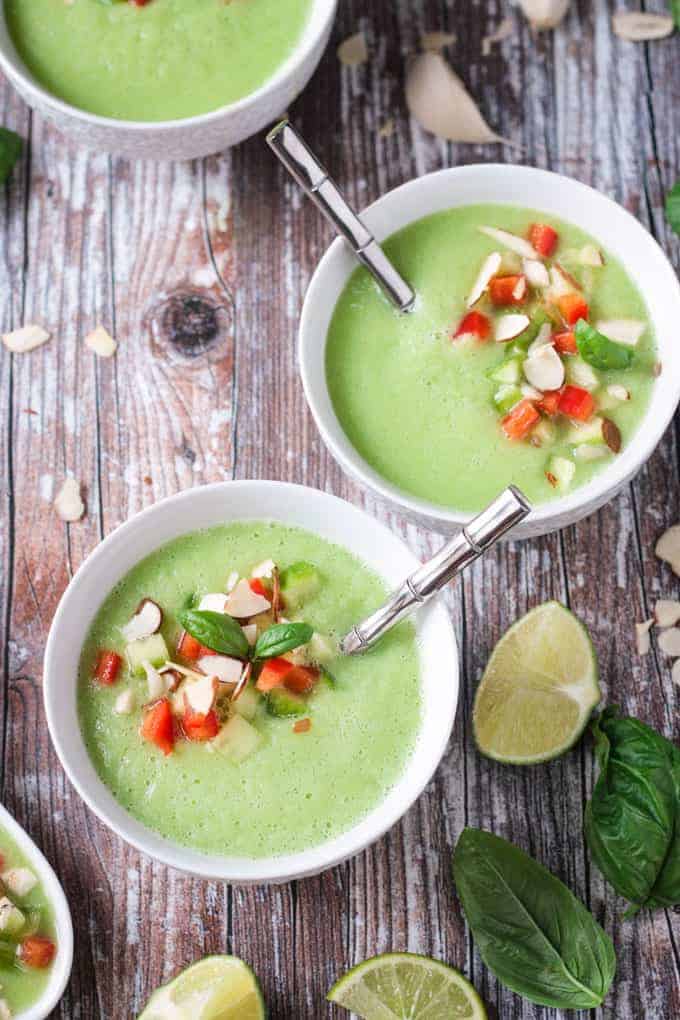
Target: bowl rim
[(61, 972), (544, 516), (241, 870), (320, 19)]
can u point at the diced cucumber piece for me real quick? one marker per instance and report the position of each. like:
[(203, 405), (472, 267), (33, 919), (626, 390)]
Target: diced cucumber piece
[(538, 320), (283, 703), (151, 649), (327, 680), (562, 470), (509, 371), (589, 452), (299, 582), (589, 432), (322, 648), (247, 702), (237, 739), (580, 373), (12, 919), (544, 432), (506, 396)]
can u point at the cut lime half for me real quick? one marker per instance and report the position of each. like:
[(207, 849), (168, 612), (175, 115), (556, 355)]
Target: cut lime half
[(538, 690), (216, 988), (403, 986)]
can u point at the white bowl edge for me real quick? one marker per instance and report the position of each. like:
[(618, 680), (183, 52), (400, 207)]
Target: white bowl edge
[(190, 137), (543, 191), (319, 512), (61, 968)]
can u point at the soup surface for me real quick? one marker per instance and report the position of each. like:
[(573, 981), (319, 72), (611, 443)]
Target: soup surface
[(426, 408), (166, 60), (303, 777)]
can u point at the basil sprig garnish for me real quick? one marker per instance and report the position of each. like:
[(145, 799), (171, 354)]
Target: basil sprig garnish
[(598, 350), (282, 638), (532, 932), (222, 633), (632, 821), (217, 631)]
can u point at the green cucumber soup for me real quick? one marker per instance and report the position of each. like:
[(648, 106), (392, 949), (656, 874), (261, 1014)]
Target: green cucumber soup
[(28, 936), (529, 358), (235, 727), (157, 60)]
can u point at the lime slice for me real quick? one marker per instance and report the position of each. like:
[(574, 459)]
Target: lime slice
[(538, 689), (403, 986), (216, 988)]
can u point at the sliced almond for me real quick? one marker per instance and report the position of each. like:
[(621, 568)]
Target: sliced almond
[(520, 289), (618, 392), (622, 331), (586, 452), (544, 14), (146, 621), (667, 613), (250, 631), (489, 269), (639, 26), (530, 392), (543, 339), (243, 682), (157, 684), (213, 602), (544, 369), (264, 570), (440, 103), (232, 581), (199, 695), (243, 602), (19, 881), (589, 255), (353, 51), (669, 642), (24, 339), (101, 342), (125, 703), (507, 327), (642, 639), (436, 41), (536, 273), (517, 244), (170, 668), (226, 669), (561, 282), (68, 502), (611, 434)]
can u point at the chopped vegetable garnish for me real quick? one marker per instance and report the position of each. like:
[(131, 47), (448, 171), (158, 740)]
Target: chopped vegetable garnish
[(158, 726), (576, 403), (520, 420), (598, 350), (508, 290), (302, 726), (189, 648), (257, 586), (474, 324), (543, 238), (549, 402), (565, 342), (36, 951), (107, 667), (273, 674), (572, 308), (199, 726)]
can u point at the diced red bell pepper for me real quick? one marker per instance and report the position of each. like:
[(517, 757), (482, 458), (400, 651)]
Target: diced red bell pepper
[(302, 726), (189, 648), (474, 324), (107, 667), (576, 403), (565, 342), (520, 420), (36, 951), (543, 238), (272, 674), (258, 587), (200, 726), (300, 679), (573, 307), (158, 726), (549, 402), (508, 290)]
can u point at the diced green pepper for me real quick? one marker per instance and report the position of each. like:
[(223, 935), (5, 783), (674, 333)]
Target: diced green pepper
[(598, 350)]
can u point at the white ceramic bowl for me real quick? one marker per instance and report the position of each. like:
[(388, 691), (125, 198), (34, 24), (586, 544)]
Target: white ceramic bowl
[(577, 203), (325, 515), (63, 961), (179, 139)]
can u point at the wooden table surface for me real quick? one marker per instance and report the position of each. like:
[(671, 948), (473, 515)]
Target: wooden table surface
[(199, 270)]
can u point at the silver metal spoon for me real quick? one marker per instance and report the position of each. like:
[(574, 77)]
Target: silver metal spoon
[(314, 179), (480, 534)]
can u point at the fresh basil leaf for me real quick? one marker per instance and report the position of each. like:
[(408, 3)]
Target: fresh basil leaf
[(216, 631), (10, 150), (598, 350), (632, 821), (673, 196), (531, 931), (282, 638)]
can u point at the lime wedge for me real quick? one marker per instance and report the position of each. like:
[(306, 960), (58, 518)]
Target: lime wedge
[(403, 986), (538, 690), (216, 988)]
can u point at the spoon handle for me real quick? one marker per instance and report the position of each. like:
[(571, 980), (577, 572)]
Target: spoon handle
[(314, 179), (480, 534)]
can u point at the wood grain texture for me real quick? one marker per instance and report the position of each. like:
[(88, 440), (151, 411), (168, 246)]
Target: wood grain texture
[(199, 270)]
